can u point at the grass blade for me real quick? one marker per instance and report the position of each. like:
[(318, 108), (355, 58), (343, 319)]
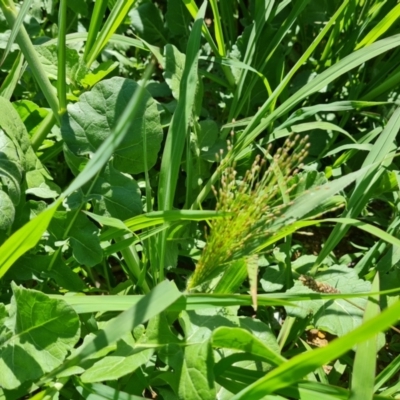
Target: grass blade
[(380, 28), (29, 52), (365, 184), (62, 57), (99, 10), (176, 138), (25, 238), (362, 382), (117, 15), (15, 29)]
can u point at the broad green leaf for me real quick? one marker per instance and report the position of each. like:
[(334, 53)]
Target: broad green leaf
[(31, 114), (211, 319), (7, 211), (83, 235), (335, 316), (130, 354), (17, 158), (39, 186), (36, 267), (196, 377), (37, 336), (98, 391), (119, 194), (125, 360), (75, 69), (98, 74), (177, 18), (243, 340), (299, 366), (147, 23), (92, 119), (174, 65), (160, 298)]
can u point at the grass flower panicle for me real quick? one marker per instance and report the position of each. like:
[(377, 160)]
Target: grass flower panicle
[(252, 202)]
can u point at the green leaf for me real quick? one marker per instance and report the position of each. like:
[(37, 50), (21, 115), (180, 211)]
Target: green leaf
[(362, 383), (161, 297), (31, 114), (337, 316), (78, 7), (299, 366), (243, 340), (83, 235), (37, 336), (130, 355), (39, 186), (178, 18), (120, 195), (25, 238), (97, 391), (75, 69), (177, 133), (125, 360), (91, 120), (7, 211), (99, 73), (15, 29), (36, 267), (147, 23), (174, 65)]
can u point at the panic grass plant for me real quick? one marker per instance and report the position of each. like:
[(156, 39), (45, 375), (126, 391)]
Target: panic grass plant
[(251, 202)]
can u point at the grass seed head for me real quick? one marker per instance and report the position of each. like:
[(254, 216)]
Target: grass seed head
[(252, 203)]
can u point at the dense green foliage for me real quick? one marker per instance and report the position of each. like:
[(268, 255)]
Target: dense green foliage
[(199, 201)]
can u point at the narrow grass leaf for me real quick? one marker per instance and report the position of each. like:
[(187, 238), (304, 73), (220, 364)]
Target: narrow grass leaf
[(31, 56), (362, 380), (114, 20), (15, 29), (258, 125), (176, 138), (25, 238), (365, 184), (62, 57), (10, 82), (99, 10), (373, 230), (381, 27)]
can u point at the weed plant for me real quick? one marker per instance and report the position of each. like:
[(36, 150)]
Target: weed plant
[(114, 120)]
